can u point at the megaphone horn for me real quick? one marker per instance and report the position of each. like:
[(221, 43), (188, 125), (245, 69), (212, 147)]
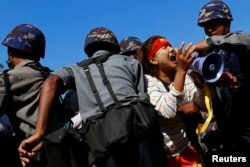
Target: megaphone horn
[(210, 66)]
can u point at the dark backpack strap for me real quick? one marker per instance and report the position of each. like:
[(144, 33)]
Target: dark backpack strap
[(98, 61), (101, 58), (8, 97), (93, 87), (45, 71), (6, 82), (9, 103), (106, 82)]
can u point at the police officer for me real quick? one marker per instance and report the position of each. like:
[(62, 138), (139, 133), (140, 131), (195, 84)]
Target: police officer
[(231, 113), (20, 86), (129, 46)]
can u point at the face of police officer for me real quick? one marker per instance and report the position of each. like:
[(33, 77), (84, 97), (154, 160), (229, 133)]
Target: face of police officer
[(216, 27)]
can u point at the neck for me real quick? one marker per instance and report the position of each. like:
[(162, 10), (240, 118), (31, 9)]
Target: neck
[(166, 76), (16, 60)]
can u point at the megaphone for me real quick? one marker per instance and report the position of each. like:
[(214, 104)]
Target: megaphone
[(210, 66)]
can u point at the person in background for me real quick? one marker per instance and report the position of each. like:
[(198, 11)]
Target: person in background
[(127, 80), (6, 133), (172, 92), (230, 103), (20, 88), (129, 46), (70, 101), (5, 127)]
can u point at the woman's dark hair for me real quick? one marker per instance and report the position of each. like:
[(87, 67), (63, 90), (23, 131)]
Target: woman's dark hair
[(142, 55)]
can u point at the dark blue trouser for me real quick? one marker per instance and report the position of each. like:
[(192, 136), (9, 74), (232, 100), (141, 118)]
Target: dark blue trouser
[(151, 154)]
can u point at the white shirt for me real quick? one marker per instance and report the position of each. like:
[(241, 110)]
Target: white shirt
[(166, 103)]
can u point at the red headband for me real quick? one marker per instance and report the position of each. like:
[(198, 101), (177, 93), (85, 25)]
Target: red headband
[(158, 43)]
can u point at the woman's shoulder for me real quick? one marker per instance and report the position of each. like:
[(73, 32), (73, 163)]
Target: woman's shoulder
[(153, 82), (150, 77)]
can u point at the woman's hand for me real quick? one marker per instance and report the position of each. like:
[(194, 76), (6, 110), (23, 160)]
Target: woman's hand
[(188, 108), (184, 57)]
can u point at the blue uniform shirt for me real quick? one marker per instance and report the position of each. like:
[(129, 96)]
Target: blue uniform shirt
[(237, 59)]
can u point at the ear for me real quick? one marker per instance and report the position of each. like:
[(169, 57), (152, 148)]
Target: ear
[(10, 52), (153, 60)]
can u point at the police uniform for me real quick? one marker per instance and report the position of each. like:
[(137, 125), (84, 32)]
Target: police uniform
[(25, 86), (20, 86), (125, 76), (237, 120), (230, 107)]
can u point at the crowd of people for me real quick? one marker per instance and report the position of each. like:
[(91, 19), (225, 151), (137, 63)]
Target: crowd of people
[(41, 128)]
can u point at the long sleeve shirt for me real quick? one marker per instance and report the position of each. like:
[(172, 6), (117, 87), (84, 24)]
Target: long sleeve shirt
[(166, 103)]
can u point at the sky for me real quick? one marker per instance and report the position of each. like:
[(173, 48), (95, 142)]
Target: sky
[(65, 23)]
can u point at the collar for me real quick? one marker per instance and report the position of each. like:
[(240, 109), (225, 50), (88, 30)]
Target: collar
[(100, 52), (23, 63)]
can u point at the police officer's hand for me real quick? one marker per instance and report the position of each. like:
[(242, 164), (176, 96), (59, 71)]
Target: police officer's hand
[(201, 47), (228, 80), (28, 148)]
